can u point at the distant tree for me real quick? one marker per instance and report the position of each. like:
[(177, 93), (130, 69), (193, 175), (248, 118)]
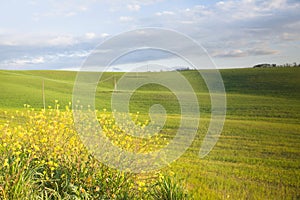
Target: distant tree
[(295, 64), (265, 65), (183, 68)]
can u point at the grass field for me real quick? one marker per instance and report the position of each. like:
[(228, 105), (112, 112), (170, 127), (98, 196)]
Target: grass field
[(258, 153)]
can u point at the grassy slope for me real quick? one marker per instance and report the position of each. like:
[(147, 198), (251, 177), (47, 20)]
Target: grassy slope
[(258, 154), (251, 93)]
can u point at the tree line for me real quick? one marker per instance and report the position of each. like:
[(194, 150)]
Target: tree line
[(266, 65)]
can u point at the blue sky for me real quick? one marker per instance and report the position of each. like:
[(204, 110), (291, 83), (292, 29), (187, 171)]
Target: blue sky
[(54, 34)]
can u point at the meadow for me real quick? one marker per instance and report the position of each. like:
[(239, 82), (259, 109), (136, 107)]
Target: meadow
[(256, 157)]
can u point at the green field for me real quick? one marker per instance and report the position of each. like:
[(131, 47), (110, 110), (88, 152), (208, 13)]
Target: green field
[(258, 153)]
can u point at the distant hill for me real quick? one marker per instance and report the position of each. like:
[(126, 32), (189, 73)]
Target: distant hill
[(250, 92)]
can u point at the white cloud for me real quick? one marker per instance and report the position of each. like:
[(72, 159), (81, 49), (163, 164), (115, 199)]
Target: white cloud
[(261, 51), (229, 28), (140, 2), (13, 39), (24, 61), (290, 36), (275, 4), (244, 53), (63, 8), (90, 35), (82, 8), (198, 11), (164, 13), (71, 54), (55, 59), (70, 14), (125, 19), (103, 35), (187, 22), (62, 40), (232, 53), (245, 9), (239, 10), (134, 7), (220, 3), (9, 38)]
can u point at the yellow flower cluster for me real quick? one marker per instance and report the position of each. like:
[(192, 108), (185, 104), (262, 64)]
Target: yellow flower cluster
[(123, 135), (47, 141), (47, 136)]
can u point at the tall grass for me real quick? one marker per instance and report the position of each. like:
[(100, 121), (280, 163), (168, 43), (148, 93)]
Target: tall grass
[(42, 157)]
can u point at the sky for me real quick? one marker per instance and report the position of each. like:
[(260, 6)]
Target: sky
[(61, 34)]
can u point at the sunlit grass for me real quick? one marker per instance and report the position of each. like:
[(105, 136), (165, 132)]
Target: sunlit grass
[(43, 157), (256, 157)]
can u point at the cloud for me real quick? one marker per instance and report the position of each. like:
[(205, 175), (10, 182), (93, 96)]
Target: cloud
[(103, 35), (290, 36), (26, 39), (244, 53), (240, 28), (72, 54), (62, 8), (232, 53), (24, 61), (260, 52), (83, 8), (43, 57), (62, 40), (197, 11), (125, 19), (164, 13), (251, 9), (8, 38), (228, 29), (240, 10), (131, 5), (70, 14), (134, 2), (90, 35), (187, 22), (134, 7)]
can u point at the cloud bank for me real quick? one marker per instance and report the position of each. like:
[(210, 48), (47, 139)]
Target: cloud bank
[(61, 34)]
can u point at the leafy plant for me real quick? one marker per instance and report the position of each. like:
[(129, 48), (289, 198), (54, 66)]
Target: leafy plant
[(168, 188)]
